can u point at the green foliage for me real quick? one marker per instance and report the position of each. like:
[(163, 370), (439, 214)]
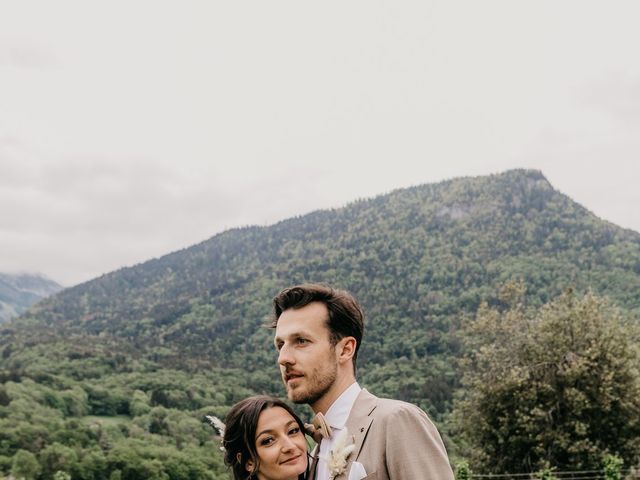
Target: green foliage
[(557, 386), (160, 442), (125, 366), (136, 459), (462, 471), (139, 403), (25, 465), (57, 457), (92, 465), (612, 467), (547, 474)]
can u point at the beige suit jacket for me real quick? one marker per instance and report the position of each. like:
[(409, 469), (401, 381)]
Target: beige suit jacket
[(394, 441)]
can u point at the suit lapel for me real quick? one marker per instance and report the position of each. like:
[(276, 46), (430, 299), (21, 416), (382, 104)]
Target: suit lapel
[(358, 424), (314, 462)]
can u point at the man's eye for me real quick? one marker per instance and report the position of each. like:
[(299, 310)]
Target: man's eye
[(301, 341), (279, 346)]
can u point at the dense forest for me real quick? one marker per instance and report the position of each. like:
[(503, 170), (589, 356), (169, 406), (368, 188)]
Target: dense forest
[(110, 379)]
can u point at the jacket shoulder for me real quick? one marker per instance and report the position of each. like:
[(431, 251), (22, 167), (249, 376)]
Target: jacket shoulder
[(388, 407)]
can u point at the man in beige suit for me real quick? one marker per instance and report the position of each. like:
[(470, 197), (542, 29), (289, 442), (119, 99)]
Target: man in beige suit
[(318, 331)]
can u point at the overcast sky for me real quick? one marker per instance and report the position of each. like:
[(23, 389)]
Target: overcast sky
[(130, 129)]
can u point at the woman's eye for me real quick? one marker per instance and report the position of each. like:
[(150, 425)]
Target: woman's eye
[(294, 431), (266, 441)]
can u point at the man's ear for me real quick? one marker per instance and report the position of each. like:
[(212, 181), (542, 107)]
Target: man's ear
[(346, 349)]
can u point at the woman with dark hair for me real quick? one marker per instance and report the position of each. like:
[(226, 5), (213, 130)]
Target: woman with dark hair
[(264, 440)]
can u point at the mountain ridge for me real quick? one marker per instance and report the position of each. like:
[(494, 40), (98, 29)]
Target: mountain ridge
[(455, 212), (20, 291), (419, 259), (451, 211)]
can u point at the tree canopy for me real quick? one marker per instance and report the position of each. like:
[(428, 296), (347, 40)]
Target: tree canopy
[(554, 386)]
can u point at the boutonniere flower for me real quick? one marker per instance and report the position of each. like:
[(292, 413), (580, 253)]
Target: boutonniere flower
[(338, 454)]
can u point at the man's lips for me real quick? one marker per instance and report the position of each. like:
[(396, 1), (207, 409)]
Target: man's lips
[(292, 376)]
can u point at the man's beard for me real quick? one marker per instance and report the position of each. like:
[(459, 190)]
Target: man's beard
[(318, 385)]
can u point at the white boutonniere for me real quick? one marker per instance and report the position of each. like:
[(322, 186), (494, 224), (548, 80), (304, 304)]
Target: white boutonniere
[(337, 457)]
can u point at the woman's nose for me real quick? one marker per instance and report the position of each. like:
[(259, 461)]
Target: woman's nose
[(288, 444)]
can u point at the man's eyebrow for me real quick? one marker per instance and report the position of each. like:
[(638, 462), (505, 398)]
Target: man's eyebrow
[(291, 335)]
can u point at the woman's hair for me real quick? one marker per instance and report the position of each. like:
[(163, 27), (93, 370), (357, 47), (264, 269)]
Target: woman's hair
[(239, 439)]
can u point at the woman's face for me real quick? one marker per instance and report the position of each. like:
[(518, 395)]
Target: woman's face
[(281, 446)]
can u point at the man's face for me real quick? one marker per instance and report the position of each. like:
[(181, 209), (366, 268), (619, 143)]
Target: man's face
[(308, 361)]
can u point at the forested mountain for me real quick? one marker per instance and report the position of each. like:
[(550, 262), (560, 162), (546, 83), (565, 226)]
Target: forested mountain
[(185, 331), (418, 259), (19, 291)]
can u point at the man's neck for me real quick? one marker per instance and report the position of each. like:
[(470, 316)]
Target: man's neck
[(339, 386)]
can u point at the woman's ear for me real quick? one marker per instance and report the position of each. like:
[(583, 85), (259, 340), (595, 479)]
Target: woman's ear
[(249, 466)]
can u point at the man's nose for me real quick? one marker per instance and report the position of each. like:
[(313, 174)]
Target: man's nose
[(285, 356)]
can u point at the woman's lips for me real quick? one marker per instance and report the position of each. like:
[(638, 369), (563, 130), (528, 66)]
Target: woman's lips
[(291, 460)]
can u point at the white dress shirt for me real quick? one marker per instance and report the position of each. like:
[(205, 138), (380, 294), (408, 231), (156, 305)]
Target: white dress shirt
[(336, 417)]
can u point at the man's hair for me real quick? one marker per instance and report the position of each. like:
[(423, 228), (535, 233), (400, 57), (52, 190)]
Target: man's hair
[(239, 439), (346, 318)]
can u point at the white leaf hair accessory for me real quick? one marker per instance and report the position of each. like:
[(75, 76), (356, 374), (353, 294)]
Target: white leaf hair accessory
[(338, 454), (217, 425)]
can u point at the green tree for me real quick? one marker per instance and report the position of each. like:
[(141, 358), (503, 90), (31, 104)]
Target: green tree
[(60, 475), (558, 385), (139, 404), (613, 467), (25, 465), (75, 401), (547, 474), (57, 457), (463, 472), (93, 466)]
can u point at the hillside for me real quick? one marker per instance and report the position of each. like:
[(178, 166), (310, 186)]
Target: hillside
[(20, 291), (417, 258), (186, 330)]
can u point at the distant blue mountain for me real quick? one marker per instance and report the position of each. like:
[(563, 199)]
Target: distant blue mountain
[(19, 291)]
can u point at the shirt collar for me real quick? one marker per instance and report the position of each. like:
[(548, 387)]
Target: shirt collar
[(339, 411)]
